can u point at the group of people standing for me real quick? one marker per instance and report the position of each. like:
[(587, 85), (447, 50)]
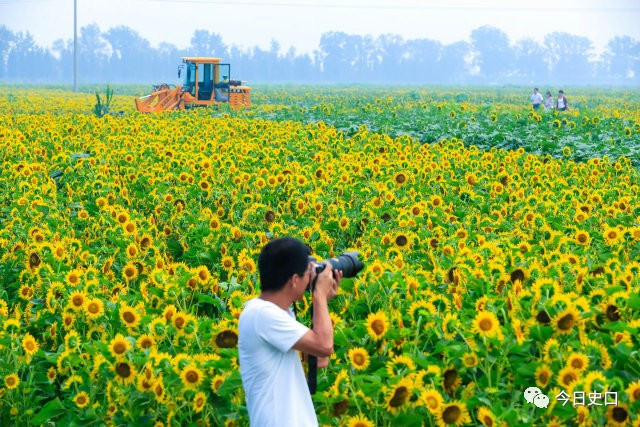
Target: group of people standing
[(549, 103)]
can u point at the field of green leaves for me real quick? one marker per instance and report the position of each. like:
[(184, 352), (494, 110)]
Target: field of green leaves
[(502, 251)]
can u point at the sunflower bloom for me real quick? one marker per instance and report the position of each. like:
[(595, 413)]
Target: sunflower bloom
[(377, 325), (11, 381), (359, 421), (191, 377), (119, 346), (94, 308), (566, 320), (125, 372), (358, 357), (618, 416), (81, 399), (453, 414), (398, 396), (198, 402), (543, 375), (30, 345), (486, 324)]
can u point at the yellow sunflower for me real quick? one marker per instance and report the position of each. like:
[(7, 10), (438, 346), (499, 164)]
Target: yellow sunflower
[(618, 416), (29, 344), (94, 308), (11, 381), (568, 376), (81, 399), (470, 359), (52, 374), (451, 380), (402, 241), (486, 324), (634, 391), (77, 300), (565, 321), (130, 271), (125, 372), (129, 316), (400, 365), (543, 375), (583, 237), (359, 358), (119, 346), (578, 361), (450, 326), (486, 417), (343, 223), (611, 235), (191, 377), (146, 341), (432, 399), (199, 401), (399, 395), (359, 421), (453, 414), (377, 325)]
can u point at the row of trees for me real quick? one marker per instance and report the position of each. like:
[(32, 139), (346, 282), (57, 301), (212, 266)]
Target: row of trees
[(121, 55)]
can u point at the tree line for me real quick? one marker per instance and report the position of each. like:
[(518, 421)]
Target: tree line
[(121, 55)]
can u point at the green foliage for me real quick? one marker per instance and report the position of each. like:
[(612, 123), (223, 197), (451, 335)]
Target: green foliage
[(103, 107)]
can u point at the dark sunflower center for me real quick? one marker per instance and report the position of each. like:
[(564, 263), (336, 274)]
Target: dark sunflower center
[(340, 408), (620, 414), (123, 370), (192, 377), (451, 414), (450, 377), (566, 322), (543, 317), (399, 397), (377, 326), (517, 274), (486, 325), (612, 313), (227, 339)]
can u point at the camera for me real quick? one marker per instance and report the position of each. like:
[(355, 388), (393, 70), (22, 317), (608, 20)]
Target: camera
[(348, 263)]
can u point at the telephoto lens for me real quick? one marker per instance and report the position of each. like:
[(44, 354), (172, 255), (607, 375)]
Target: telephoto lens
[(348, 263)]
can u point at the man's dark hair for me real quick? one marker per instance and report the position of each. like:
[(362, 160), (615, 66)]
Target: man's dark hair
[(279, 260)]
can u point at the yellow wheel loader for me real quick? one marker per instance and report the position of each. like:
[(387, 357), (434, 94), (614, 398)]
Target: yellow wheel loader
[(206, 82)]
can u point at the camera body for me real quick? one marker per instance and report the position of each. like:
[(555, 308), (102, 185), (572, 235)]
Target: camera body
[(348, 263)]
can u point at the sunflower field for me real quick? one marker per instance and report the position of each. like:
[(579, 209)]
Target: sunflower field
[(502, 252)]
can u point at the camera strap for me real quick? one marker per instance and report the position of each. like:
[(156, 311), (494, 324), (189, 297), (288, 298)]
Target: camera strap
[(312, 361), (312, 374)]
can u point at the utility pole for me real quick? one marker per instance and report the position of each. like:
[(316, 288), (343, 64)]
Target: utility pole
[(75, 45)]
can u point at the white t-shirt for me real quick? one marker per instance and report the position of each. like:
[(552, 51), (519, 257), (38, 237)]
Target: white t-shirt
[(275, 386), (536, 98), (561, 103)]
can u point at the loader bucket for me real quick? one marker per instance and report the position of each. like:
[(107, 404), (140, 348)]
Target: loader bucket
[(161, 100)]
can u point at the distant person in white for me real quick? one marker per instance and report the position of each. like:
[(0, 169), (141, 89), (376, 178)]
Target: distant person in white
[(561, 103), (548, 102), (270, 338), (536, 99)]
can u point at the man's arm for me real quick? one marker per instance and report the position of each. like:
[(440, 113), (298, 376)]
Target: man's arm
[(319, 340)]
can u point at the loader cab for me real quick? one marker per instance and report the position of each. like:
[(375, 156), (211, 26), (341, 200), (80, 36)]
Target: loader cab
[(206, 79)]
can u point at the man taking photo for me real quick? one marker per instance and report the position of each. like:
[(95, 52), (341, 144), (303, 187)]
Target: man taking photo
[(271, 339)]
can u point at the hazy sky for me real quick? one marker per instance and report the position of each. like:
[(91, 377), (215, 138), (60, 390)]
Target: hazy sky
[(299, 23)]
